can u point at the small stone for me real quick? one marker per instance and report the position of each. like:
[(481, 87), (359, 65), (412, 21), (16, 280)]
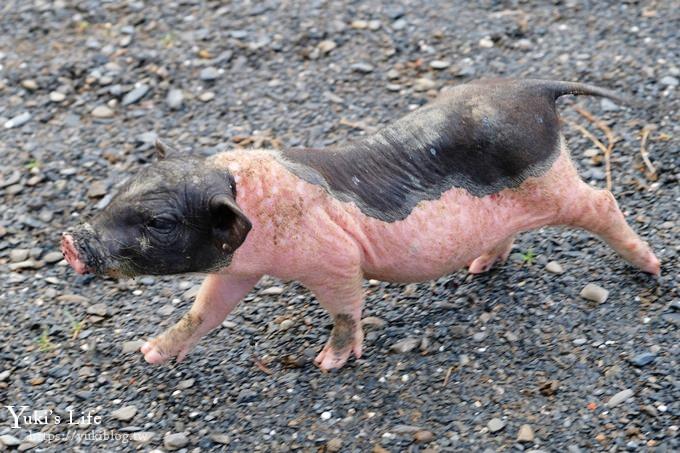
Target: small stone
[(53, 257), (135, 95), (37, 380), (608, 106), (405, 345), (495, 425), (392, 74), (29, 84), (363, 68), (440, 64), (18, 255), (486, 43), (175, 441), (479, 336), (124, 414), (206, 97), (97, 189), (209, 74), (334, 444), (272, 291), (132, 346), (326, 45), (9, 441), (166, 310), (580, 341), (594, 293), (97, 309), (423, 84), (373, 321), (669, 81), (56, 96), (359, 24), (643, 359), (620, 397), (102, 111), (186, 383), (525, 434), (286, 324), (5, 375), (423, 436), (554, 267), (175, 99), (220, 438), (143, 437), (374, 25), (18, 120)]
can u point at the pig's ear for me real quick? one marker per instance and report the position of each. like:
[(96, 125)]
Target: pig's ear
[(163, 150), (230, 224)]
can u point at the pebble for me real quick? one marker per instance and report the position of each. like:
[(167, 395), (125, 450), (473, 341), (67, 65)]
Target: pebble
[(440, 64), (373, 321), (18, 255), (209, 74), (486, 43), (423, 84), (594, 293), (359, 24), (286, 324), (326, 45), (97, 309), (334, 444), (56, 96), (272, 291), (53, 257), (175, 98), (620, 397), (102, 111), (186, 383), (495, 425), (9, 441), (423, 436), (580, 341), (206, 97), (669, 81), (608, 106), (479, 336), (405, 345), (29, 84), (363, 68), (554, 267), (220, 438), (143, 437), (643, 359), (18, 120), (166, 310), (135, 95), (525, 434), (132, 346), (5, 375), (125, 413), (97, 189), (175, 441)]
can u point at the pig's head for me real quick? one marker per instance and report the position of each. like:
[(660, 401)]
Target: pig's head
[(177, 215)]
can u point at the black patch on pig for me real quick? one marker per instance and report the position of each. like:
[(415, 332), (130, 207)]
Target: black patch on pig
[(483, 137)]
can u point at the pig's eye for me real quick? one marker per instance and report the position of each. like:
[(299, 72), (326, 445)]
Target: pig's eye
[(163, 223)]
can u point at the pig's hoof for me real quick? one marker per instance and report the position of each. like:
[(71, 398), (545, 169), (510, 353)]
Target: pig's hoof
[(155, 352), (484, 263), (330, 359)]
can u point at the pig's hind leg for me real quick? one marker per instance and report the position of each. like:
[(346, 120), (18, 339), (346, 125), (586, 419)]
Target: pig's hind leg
[(498, 254), (217, 297), (596, 211), (343, 299)]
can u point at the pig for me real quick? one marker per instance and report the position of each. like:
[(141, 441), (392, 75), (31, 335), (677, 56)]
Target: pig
[(449, 185)]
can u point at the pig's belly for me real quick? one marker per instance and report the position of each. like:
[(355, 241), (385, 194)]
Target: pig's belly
[(440, 236)]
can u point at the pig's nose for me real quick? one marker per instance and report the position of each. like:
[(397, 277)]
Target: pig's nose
[(71, 255)]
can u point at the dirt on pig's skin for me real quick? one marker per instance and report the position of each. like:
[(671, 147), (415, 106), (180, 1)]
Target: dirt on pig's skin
[(273, 78)]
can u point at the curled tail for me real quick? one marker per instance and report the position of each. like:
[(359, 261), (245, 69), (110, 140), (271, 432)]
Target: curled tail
[(558, 88)]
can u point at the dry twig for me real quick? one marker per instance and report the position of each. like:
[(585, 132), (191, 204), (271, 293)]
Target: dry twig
[(645, 154), (448, 375), (611, 139)]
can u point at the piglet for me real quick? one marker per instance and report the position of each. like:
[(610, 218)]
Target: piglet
[(448, 185)]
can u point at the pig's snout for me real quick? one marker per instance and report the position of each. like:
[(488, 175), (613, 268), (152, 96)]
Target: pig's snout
[(72, 255)]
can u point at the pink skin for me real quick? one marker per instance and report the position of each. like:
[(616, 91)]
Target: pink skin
[(68, 249), (301, 233)]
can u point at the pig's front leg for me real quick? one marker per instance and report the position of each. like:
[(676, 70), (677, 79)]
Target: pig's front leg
[(217, 297), (343, 300)]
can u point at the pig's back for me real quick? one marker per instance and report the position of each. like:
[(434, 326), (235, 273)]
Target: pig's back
[(482, 138)]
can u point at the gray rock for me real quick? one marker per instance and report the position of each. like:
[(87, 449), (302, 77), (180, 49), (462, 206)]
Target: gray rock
[(643, 359), (175, 441), (18, 120), (135, 95), (220, 438), (424, 84), (272, 291), (53, 257), (620, 397), (132, 346), (525, 434), (669, 81), (9, 441), (18, 255), (608, 105), (363, 68), (186, 383), (209, 74), (125, 413), (286, 324), (98, 309), (102, 111), (405, 345), (5, 375), (440, 64), (479, 336), (206, 96), (554, 267), (175, 98), (594, 293), (56, 96), (334, 445), (580, 341), (495, 425)]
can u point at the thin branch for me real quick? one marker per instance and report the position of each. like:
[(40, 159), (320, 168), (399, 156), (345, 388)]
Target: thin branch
[(645, 154)]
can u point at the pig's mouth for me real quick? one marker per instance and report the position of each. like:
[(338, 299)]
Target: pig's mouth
[(72, 255), (80, 252)]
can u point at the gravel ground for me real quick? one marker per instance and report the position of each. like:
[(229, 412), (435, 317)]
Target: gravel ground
[(509, 361)]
